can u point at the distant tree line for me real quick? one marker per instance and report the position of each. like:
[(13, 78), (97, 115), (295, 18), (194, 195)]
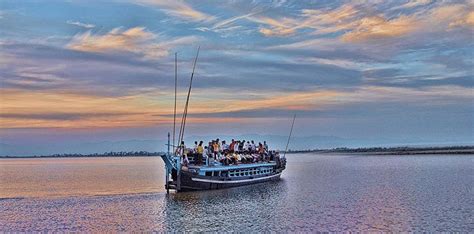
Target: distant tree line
[(394, 150), (106, 154), (373, 150)]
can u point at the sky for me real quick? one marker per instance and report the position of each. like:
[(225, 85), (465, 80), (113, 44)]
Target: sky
[(77, 72)]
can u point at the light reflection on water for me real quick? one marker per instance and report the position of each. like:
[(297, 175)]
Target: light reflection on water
[(316, 193), (61, 177)]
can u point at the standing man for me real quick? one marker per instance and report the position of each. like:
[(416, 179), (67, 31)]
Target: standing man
[(225, 148), (199, 152)]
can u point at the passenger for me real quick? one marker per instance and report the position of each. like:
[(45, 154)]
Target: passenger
[(243, 159), (265, 146), (251, 158), (224, 159), (236, 158), (261, 148), (253, 148), (193, 152), (210, 151), (215, 146), (184, 154), (241, 146), (236, 147), (180, 149), (246, 158), (231, 146), (246, 147), (225, 147), (218, 143), (232, 159), (200, 152), (261, 151)]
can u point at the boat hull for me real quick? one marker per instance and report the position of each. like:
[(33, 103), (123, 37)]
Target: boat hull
[(191, 182)]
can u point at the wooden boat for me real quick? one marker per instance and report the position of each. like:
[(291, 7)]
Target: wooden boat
[(217, 176)]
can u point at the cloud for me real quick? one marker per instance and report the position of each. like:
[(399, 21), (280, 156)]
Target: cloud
[(133, 40), (277, 31), (226, 26), (282, 27), (79, 24), (361, 23), (438, 19), (62, 116), (68, 110), (319, 103), (452, 16), (322, 21), (468, 21), (413, 3), (48, 68), (393, 77), (178, 9), (377, 27)]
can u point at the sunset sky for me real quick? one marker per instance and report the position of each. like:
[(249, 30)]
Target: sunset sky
[(94, 71)]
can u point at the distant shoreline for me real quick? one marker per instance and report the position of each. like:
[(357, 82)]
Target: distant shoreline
[(394, 150), (457, 150)]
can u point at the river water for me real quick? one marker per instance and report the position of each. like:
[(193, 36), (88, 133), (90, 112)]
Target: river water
[(316, 193)]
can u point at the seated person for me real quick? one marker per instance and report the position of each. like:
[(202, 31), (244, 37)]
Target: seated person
[(236, 158), (246, 158), (255, 157), (224, 159)]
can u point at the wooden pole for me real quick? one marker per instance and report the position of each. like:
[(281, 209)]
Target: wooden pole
[(291, 131), (175, 98), (167, 169), (185, 113)]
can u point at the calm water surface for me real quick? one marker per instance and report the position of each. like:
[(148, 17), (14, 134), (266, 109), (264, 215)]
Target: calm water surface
[(316, 193)]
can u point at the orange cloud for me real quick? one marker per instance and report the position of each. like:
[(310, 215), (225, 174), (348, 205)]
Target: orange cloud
[(463, 19), (133, 40), (65, 110), (47, 109), (440, 18), (360, 26), (277, 31), (377, 27), (283, 27)]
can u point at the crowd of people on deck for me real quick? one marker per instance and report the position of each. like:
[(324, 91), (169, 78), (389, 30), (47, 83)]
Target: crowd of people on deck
[(234, 152)]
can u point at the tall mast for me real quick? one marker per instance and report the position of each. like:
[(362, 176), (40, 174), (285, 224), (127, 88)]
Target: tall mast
[(291, 131), (175, 97), (185, 112)]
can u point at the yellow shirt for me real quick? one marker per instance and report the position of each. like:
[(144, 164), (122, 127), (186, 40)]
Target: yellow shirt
[(200, 149)]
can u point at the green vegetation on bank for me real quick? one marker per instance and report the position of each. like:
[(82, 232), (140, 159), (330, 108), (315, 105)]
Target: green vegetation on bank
[(405, 150), (343, 150), (106, 154)]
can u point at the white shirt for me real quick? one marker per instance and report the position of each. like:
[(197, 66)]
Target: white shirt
[(225, 147), (236, 147)]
